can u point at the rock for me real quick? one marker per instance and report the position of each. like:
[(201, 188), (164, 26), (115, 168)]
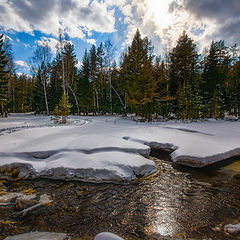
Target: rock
[(43, 201), (232, 228), (40, 236), (216, 229), (25, 201), (107, 236), (230, 118), (11, 198)]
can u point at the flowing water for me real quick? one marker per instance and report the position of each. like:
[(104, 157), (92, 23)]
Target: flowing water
[(174, 203)]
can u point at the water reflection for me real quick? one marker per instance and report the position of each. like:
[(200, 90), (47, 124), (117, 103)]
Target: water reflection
[(177, 202)]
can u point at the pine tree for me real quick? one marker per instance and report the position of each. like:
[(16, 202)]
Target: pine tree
[(214, 79), (3, 78), (183, 63), (183, 76), (234, 89), (84, 85), (62, 110), (40, 66), (55, 86), (94, 82), (70, 74), (109, 65), (141, 85)]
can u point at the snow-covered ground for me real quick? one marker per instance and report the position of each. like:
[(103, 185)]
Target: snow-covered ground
[(109, 148)]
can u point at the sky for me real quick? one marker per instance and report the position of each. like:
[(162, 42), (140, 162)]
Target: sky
[(27, 23)]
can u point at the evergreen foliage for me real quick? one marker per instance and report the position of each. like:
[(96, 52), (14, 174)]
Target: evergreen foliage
[(181, 85), (3, 78), (62, 110)]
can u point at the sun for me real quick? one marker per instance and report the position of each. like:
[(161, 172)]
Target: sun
[(159, 11)]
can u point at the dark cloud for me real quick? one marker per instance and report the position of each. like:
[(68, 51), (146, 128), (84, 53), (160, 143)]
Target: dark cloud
[(224, 13), (48, 16), (219, 10), (33, 11)]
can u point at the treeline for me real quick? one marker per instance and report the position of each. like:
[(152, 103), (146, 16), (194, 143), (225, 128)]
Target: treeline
[(182, 84)]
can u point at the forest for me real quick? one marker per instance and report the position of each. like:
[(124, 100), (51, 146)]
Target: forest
[(181, 84)]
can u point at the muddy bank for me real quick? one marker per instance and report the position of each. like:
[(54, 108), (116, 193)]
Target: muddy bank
[(175, 202)]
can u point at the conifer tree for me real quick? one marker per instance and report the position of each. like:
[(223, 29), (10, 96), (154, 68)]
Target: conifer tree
[(62, 110), (183, 75), (55, 85), (3, 78), (139, 74), (214, 79), (84, 85), (70, 74), (40, 67), (94, 82)]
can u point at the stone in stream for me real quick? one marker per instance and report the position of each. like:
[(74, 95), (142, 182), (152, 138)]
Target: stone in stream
[(107, 236), (43, 201), (39, 236), (12, 198), (232, 228)]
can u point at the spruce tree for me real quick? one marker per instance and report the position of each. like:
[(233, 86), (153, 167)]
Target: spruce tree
[(70, 74), (84, 86), (141, 85), (214, 80), (183, 76), (94, 82), (3, 78)]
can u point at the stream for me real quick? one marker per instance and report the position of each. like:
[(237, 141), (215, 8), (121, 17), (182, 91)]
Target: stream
[(174, 203)]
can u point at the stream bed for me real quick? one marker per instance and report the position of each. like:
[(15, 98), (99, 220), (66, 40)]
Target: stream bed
[(174, 203)]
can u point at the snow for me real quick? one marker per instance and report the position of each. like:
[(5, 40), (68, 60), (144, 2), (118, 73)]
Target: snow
[(110, 148)]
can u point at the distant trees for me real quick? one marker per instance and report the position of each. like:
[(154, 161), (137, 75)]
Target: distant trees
[(40, 67), (182, 84), (4, 70)]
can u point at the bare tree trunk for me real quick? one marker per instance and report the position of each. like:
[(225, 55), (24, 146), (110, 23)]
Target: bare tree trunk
[(121, 101), (75, 97), (45, 94)]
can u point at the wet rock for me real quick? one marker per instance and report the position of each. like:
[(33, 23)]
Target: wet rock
[(12, 198), (232, 228), (40, 236), (25, 201), (8, 172), (107, 236), (44, 201), (216, 229), (237, 177)]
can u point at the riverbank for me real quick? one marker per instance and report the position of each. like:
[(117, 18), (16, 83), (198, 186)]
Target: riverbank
[(178, 203)]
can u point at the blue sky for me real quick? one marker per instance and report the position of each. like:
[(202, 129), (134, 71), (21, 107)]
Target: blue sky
[(30, 22)]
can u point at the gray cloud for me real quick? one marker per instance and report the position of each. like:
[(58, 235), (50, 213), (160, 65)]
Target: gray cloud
[(48, 16), (219, 10), (225, 14)]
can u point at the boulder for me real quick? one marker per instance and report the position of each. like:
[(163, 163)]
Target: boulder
[(232, 228), (107, 236)]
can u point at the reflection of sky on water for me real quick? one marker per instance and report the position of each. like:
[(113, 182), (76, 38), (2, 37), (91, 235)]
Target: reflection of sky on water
[(167, 203)]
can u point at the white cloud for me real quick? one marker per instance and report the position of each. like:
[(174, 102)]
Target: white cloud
[(21, 63), (164, 21), (50, 42), (73, 16), (19, 74)]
